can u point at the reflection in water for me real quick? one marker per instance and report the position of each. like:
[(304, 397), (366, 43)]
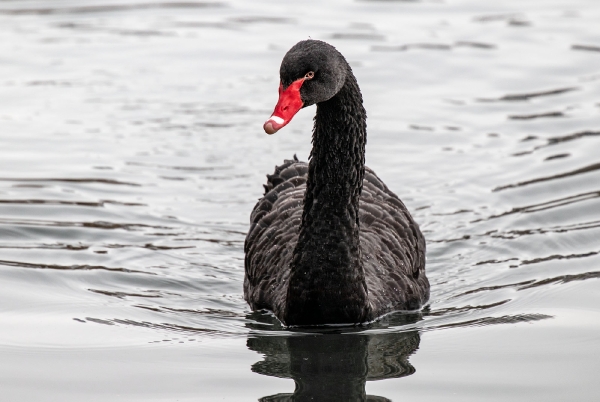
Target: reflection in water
[(335, 364)]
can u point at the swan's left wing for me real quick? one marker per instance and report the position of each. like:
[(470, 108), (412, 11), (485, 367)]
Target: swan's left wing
[(393, 250)]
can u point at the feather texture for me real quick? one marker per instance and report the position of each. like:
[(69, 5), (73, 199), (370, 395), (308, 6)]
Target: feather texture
[(392, 246)]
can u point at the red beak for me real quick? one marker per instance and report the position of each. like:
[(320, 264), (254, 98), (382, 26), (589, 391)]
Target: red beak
[(287, 106)]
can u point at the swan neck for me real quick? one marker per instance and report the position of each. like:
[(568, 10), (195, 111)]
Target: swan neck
[(327, 281)]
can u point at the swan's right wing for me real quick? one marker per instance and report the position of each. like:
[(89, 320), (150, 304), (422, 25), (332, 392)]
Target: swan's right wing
[(272, 237)]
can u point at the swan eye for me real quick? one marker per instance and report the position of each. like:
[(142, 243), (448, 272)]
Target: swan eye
[(309, 76)]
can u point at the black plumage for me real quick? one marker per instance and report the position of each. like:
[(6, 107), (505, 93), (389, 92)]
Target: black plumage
[(329, 243)]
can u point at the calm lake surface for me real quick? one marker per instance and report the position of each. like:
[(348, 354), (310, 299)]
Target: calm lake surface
[(132, 152)]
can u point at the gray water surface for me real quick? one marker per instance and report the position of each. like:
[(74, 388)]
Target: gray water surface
[(132, 152)]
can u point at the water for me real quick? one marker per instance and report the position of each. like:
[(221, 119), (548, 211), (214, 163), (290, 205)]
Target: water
[(132, 152)]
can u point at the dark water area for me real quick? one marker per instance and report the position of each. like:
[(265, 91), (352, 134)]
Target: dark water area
[(132, 152)]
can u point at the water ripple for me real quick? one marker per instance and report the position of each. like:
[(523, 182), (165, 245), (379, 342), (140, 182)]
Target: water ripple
[(111, 8), (586, 169), (546, 205), (71, 180), (530, 95), (95, 224), (81, 267), (100, 203), (588, 48), (507, 319), (563, 279)]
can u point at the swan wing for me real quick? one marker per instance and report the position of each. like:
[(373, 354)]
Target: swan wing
[(393, 250), (273, 234)]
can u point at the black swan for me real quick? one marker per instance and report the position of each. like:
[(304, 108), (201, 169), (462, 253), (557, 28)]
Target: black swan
[(329, 243)]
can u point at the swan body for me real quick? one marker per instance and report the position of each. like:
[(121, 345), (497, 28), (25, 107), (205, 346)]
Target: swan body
[(329, 243)]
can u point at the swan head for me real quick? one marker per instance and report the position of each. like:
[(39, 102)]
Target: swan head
[(311, 72)]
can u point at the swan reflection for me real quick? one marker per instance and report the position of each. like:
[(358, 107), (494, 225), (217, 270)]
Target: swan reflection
[(334, 364)]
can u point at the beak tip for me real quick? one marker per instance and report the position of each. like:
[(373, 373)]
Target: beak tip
[(269, 129)]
